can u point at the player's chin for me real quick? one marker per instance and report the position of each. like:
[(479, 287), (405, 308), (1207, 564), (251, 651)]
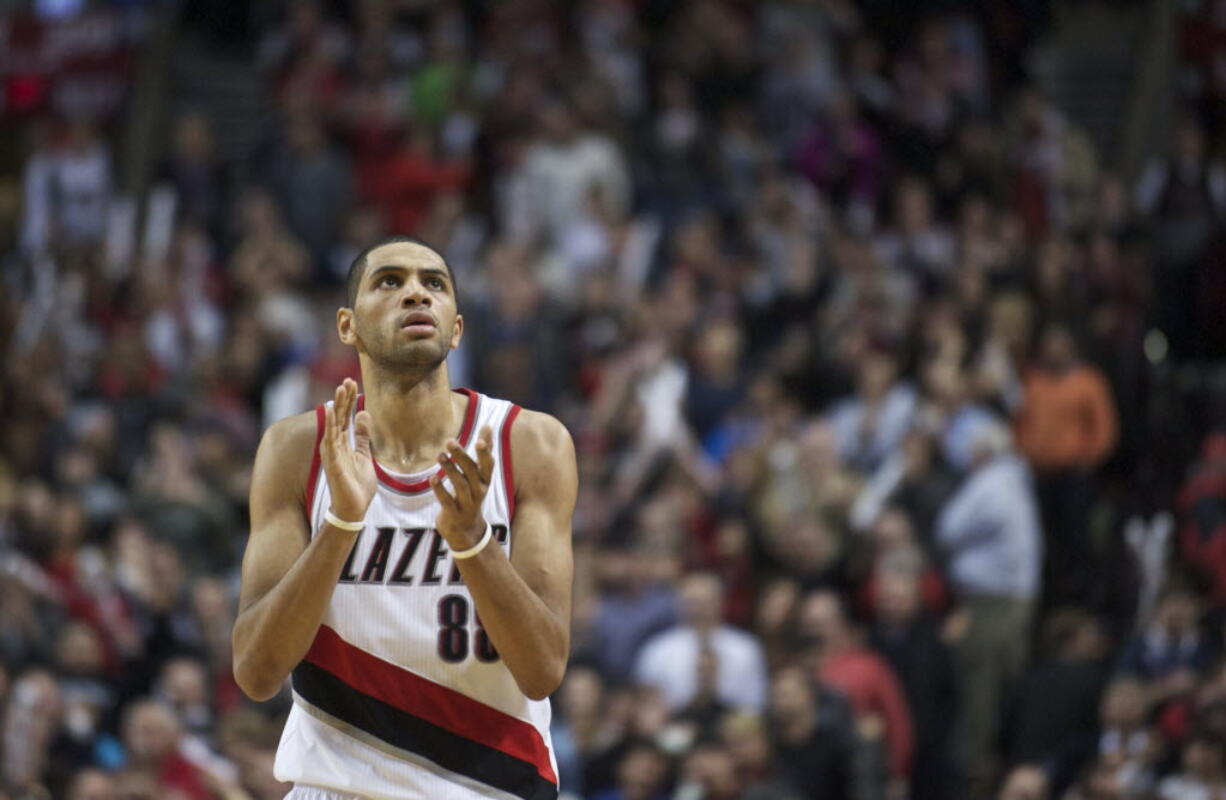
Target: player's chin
[(420, 354)]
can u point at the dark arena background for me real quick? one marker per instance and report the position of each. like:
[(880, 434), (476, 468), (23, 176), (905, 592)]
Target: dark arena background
[(891, 335)]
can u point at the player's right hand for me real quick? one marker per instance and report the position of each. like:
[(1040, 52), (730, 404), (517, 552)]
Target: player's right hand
[(349, 468)]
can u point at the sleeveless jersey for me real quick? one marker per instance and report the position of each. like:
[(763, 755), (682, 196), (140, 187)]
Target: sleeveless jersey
[(401, 694)]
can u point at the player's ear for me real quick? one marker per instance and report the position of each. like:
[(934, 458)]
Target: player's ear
[(344, 326), (457, 332)]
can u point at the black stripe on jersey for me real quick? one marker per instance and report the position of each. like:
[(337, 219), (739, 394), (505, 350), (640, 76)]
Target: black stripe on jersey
[(408, 732)]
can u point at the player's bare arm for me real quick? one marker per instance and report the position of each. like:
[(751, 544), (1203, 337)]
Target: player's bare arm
[(288, 576), (524, 601)]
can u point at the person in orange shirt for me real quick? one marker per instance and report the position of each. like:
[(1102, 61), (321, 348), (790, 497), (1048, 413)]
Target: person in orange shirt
[(1066, 428)]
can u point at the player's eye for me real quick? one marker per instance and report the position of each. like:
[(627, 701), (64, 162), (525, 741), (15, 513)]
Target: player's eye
[(389, 280), (434, 283)]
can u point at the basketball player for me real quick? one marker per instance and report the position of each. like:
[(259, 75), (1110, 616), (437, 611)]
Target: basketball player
[(422, 601)]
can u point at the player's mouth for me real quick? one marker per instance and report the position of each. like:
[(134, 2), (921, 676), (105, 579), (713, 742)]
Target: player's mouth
[(418, 322)]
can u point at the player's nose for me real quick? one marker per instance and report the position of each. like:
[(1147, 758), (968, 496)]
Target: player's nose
[(415, 294)]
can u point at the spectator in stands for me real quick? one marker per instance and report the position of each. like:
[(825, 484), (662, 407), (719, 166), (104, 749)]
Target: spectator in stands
[(407, 181), (1055, 707), (151, 737), (906, 634), (582, 729), (303, 55), (844, 663), (814, 735), (195, 174), (183, 687), (31, 721), (92, 784), (183, 322), (1172, 649), (1026, 782), (642, 774), (561, 169), (918, 244), (1201, 506), (990, 534), (313, 185), (802, 478), (676, 660), (87, 692), (714, 386), (1126, 740), (516, 335), (896, 551), (749, 745), (1184, 194), (174, 500), (68, 186), (206, 631), (710, 771), (1066, 428), (925, 483), (843, 157), (1101, 781), (635, 603), (1067, 420), (1203, 774), (1054, 166), (1208, 712), (871, 424), (267, 257), (954, 417), (248, 738)]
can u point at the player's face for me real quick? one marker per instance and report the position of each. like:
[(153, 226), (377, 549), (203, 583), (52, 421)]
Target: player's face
[(405, 312)]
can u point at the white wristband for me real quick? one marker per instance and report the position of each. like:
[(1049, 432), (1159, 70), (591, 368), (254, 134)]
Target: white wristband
[(337, 522), (476, 548)]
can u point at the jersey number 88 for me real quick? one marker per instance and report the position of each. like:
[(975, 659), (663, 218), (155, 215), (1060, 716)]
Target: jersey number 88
[(453, 632)]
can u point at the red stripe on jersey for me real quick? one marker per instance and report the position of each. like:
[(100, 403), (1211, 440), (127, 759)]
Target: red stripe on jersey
[(417, 487), (314, 476), (433, 702), (508, 469)]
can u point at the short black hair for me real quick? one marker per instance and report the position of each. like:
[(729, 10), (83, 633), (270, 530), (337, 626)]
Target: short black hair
[(357, 269)]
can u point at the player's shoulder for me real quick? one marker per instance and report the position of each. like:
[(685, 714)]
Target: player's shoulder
[(291, 438), (283, 461), (543, 454), (536, 434)]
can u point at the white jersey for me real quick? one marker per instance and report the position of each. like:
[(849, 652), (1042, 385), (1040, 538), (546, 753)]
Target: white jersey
[(401, 694)]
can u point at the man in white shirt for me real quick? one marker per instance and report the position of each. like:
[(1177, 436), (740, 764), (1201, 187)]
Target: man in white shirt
[(565, 165), (993, 542), (670, 661)]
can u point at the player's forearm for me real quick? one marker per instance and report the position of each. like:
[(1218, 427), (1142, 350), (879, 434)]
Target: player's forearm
[(275, 632), (529, 637)]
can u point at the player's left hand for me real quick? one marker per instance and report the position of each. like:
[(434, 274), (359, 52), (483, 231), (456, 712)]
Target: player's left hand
[(460, 522)]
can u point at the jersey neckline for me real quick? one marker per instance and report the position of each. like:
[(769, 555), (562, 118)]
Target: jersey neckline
[(416, 483)]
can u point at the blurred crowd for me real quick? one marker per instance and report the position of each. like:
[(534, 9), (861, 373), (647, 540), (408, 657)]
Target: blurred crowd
[(856, 332)]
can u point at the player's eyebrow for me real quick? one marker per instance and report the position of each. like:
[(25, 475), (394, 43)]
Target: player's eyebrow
[(397, 268), (383, 270), (442, 273)]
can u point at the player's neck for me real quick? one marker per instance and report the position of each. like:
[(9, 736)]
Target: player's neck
[(411, 418)]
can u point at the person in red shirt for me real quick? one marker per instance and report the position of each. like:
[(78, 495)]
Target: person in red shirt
[(410, 178), (843, 662), (151, 736), (1201, 508)]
